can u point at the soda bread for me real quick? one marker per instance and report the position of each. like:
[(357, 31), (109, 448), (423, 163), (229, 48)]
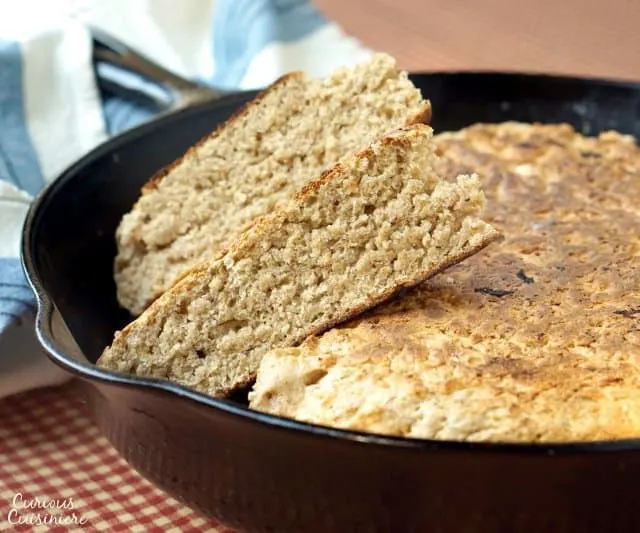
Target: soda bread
[(284, 138), (535, 340), (376, 222)]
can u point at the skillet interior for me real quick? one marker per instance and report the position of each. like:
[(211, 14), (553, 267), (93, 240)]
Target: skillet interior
[(68, 250)]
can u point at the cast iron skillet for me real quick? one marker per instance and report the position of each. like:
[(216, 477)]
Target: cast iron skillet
[(261, 473)]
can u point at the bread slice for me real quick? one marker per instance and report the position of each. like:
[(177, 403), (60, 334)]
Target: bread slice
[(284, 138), (378, 221)]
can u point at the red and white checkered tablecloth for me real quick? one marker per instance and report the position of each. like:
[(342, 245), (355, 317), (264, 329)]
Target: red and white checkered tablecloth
[(53, 457)]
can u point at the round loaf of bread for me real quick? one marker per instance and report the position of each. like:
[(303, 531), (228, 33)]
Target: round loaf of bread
[(536, 338)]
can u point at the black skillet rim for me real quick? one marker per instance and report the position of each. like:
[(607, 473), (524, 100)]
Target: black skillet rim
[(92, 373)]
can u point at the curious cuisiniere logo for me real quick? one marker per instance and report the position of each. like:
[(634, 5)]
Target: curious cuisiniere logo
[(43, 511)]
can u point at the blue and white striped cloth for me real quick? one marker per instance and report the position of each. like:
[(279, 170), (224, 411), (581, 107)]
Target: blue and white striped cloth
[(51, 112)]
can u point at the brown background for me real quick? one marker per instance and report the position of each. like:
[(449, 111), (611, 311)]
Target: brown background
[(583, 37)]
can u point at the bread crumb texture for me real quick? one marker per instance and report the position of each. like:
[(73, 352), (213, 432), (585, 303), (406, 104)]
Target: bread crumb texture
[(379, 221), (250, 165), (535, 339)]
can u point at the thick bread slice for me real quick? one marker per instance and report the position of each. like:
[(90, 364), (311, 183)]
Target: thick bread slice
[(379, 221), (284, 138)]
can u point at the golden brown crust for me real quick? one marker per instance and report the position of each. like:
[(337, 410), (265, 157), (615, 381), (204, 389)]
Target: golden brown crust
[(158, 177), (423, 116), (537, 339)]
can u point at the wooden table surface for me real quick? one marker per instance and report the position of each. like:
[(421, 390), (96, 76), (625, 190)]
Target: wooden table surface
[(582, 37)]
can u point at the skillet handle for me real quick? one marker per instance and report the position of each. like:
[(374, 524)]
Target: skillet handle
[(123, 71)]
